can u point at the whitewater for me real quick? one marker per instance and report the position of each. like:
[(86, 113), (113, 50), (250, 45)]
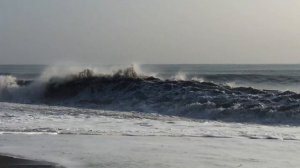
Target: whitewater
[(152, 115)]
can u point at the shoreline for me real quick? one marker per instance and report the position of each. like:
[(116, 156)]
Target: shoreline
[(106, 151), (7, 161)]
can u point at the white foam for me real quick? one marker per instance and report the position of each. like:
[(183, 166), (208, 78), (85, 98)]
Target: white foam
[(7, 81), (42, 119), (198, 79)]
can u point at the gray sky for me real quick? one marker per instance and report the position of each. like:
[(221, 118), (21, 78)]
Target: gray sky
[(149, 31)]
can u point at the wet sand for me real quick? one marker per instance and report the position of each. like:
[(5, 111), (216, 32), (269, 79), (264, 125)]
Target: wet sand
[(13, 162), (115, 151)]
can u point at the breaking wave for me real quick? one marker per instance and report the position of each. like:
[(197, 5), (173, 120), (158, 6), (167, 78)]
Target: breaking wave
[(127, 90), (7, 81)]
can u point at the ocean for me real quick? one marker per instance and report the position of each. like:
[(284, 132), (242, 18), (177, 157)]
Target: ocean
[(239, 93), (151, 115)]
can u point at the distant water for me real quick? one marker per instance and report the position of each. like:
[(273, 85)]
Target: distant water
[(274, 77), (219, 92), (23, 72)]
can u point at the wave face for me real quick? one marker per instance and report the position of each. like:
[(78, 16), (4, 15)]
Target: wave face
[(127, 90)]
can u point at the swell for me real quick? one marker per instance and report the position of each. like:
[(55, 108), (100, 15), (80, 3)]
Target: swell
[(125, 90), (253, 78), (259, 81)]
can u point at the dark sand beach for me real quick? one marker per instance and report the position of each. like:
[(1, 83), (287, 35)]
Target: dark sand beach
[(13, 162)]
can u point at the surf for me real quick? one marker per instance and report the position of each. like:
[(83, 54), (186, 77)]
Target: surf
[(127, 90)]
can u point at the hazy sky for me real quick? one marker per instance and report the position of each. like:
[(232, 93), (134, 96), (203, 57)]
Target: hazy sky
[(149, 31)]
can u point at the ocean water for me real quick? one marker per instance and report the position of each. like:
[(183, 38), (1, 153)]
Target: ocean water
[(25, 72), (275, 77), (167, 115), (52, 99)]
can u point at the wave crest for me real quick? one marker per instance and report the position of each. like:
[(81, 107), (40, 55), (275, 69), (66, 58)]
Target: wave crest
[(8, 81)]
